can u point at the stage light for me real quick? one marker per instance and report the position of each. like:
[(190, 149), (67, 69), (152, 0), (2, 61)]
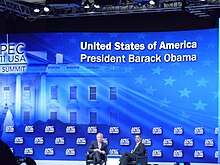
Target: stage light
[(140, 4), (90, 4), (36, 10), (96, 6), (46, 9), (87, 4), (151, 2), (86, 7)]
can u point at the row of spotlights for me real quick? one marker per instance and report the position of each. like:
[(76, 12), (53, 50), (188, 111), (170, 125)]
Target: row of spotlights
[(46, 9), (89, 6)]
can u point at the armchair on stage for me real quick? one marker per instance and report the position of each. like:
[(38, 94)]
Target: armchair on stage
[(90, 160), (140, 160)]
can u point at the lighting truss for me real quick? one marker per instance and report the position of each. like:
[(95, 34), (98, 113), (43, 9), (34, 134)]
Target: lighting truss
[(202, 8), (73, 10), (17, 8)]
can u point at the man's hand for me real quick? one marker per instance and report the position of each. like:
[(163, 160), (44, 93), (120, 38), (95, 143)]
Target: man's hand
[(103, 152)]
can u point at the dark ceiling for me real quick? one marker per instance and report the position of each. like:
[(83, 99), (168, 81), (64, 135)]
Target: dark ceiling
[(155, 21), (133, 22)]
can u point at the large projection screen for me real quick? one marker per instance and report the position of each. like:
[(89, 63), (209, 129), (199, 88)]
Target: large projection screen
[(59, 89)]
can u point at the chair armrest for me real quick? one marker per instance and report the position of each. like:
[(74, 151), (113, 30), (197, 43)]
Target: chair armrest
[(87, 155)]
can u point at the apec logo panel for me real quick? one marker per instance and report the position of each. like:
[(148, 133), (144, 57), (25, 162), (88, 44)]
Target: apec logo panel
[(199, 131), (29, 129), (157, 130), (125, 142), (147, 142), (113, 152), (81, 141), (114, 130), (92, 130), (199, 154), (70, 152), (157, 153), (178, 131), (71, 129), (49, 151), (136, 130), (49, 129), (209, 142), (38, 140), (178, 153), (188, 142), (10, 129), (168, 142), (60, 141), (28, 151), (19, 140)]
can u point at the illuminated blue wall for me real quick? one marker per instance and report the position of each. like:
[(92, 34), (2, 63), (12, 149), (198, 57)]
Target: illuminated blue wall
[(148, 95)]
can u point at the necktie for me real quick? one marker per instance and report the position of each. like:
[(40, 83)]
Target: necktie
[(99, 145), (135, 147)]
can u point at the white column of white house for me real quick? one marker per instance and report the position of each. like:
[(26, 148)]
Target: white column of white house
[(42, 111), (18, 100)]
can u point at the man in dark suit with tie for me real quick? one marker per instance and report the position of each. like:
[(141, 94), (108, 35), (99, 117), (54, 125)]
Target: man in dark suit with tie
[(139, 150), (98, 149)]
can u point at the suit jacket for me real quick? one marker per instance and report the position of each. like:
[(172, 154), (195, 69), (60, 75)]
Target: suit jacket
[(6, 155), (140, 150), (94, 145)]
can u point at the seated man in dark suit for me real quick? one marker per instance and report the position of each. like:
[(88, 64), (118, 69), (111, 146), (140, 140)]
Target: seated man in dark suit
[(139, 150), (98, 149)]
